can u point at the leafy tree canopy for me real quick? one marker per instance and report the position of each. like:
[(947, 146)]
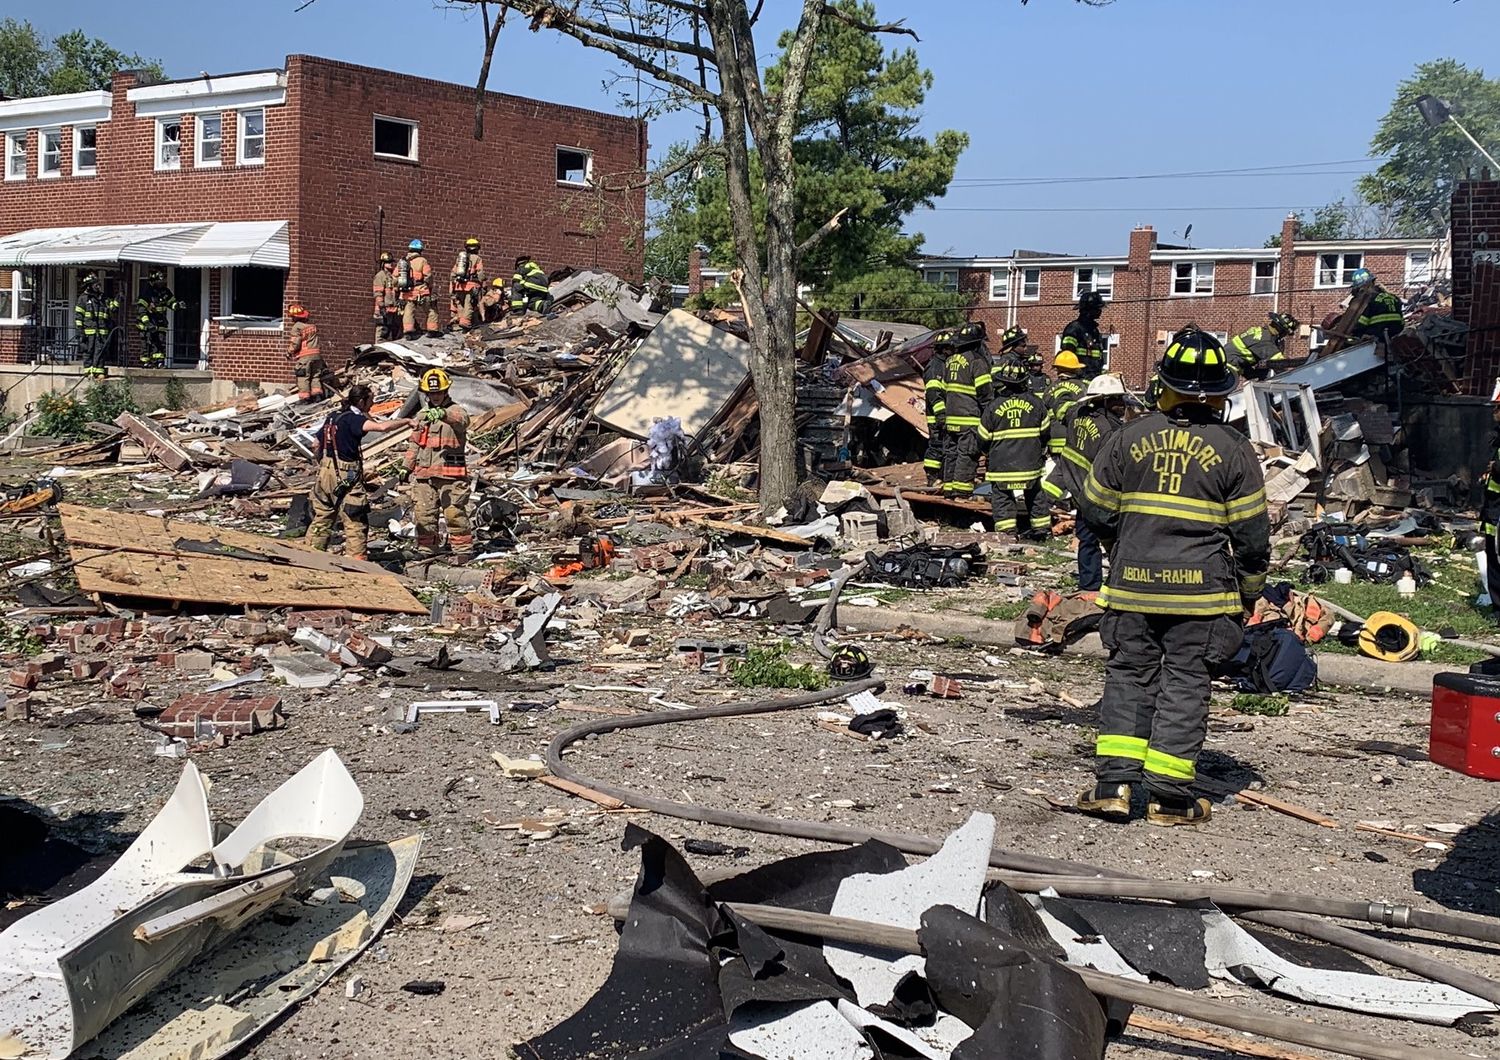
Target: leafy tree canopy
[(32, 65)]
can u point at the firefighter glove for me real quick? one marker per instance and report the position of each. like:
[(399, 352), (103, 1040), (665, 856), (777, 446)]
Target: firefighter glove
[(433, 415)]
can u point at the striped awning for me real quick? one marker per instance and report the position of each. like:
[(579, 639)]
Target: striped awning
[(204, 244)]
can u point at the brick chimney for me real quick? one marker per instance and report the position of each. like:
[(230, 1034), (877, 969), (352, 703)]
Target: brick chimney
[(1286, 273), (1142, 243), (695, 271)]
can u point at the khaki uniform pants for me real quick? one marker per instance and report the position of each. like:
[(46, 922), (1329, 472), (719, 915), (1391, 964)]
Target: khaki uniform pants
[(415, 306), (448, 497), (334, 495), (309, 371)]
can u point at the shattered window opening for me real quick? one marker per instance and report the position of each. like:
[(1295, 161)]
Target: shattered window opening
[(1335, 270), (50, 164), (1193, 278), (1263, 277), (15, 156), (85, 151), (255, 291), (574, 166), (395, 138), (210, 139), (168, 143), (947, 279)]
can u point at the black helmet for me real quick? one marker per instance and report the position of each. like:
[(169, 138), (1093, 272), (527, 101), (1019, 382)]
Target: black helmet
[(1014, 336), (849, 662), (385, 257), (1283, 323), (1194, 365), (969, 335), (1012, 373), (1091, 302)]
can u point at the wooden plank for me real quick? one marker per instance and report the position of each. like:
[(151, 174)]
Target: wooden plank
[(764, 533), (598, 798), (252, 451), (192, 578), (155, 441), (149, 533), (933, 500), (228, 905), (496, 418), (1244, 1046)]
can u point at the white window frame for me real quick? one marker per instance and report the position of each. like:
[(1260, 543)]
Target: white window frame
[(416, 131), (79, 169), (1026, 283), (1341, 271), (226, 305), (936, 278), (14, 140), (199, 139), (42, 136), (1424, 273), (160, 141), (1275, 276), (1316, 340), (588, 166), (240, 158), (1101, 279), (13, 317), (1000, 285), (1197, 272)]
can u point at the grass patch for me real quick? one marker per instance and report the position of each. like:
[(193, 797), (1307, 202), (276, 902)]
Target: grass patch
[(769, 668), (893, 595), (1005, 612), (1272, 706)]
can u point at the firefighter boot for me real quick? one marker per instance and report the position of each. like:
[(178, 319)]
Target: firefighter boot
[(1170, 812), (1108, 800)]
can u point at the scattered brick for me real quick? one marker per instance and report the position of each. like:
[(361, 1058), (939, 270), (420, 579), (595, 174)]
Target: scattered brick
[(87, 669), (222, 713), (21, 677)]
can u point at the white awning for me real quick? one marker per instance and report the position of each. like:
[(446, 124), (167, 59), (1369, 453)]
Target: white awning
[(204, 244)]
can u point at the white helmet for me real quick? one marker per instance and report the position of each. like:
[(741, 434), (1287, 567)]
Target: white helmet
[(1107, 385)]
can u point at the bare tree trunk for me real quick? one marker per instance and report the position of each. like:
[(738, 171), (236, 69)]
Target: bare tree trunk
[(491, 36)]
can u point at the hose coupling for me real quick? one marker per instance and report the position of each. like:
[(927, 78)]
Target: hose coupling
[(1389, 915)]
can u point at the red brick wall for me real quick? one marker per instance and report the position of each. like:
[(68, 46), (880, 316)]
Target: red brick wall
[(1476, 284), (321, 175), (502, 189)]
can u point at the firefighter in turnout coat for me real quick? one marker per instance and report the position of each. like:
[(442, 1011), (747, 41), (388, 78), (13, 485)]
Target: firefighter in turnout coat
[(966, 392), (1015, 426), (1090, 420), (936, 406), (1179, 500)]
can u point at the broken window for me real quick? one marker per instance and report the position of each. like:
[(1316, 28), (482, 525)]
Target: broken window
[(15, 296), (15, 156), (1193, 278), (396, 138), (1334, 270), (574, 166), (85, 150), (1099, 278), (252, 146), (1031, 285), (210, 139), (947, 279), (1418, 267), (51, 155), (168, 143), (1263, 277), (999, 285), (253, 291)]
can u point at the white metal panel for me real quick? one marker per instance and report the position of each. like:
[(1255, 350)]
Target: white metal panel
[(84, 245), (74, 108), (241, 243)]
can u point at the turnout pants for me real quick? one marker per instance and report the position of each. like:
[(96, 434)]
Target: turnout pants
[(419, 308), (1015, 507), (154, 343), (340, 492), (1090, 559), (448, 497), (1154, 713), (960, 460), (92, 348), (466, 308), (309, 371), (932, 459), (1492, 568), (389, 326)]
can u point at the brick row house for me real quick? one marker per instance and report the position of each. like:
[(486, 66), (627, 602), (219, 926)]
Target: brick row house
[(255, 190), (1154, 289)]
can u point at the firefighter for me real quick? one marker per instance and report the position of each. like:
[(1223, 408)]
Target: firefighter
[(1252, 351), (966, 392), (495, 302), (466, 280), (153, 306), (1382, 317), (387, 313), (414, 281), (1015, 426), (1062, 393), (437, 462), (340, 488), (1489, 511), (304, 350), (529, 290), (93, 319), (1013, 344), (1098, 413), (1082, 337), (937, 426), (1179, 500)]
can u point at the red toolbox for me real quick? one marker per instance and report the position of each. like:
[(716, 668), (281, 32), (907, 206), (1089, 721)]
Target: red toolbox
[(1465, 734)]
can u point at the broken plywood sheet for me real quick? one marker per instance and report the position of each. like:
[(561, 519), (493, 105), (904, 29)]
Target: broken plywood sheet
[(155, 442), (685, 368), (907, 399)]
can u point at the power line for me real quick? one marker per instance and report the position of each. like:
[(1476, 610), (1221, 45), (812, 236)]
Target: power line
[(1107, 209), (976, 183), (1310, 168), (1182, 299)]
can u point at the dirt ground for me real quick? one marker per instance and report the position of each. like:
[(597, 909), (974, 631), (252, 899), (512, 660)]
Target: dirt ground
[(1004, 748)]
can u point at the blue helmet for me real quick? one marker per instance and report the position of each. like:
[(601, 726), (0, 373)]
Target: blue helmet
[(415, 244), (1361, 279)]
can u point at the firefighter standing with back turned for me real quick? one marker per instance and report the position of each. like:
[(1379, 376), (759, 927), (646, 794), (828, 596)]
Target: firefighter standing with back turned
[(966, 392), (1180, 501), (339, 490), (1015, 426), (414, 281), (465, 281), (305, 350), (932, 391), (1097, 414), (437, 461), (387, 315)]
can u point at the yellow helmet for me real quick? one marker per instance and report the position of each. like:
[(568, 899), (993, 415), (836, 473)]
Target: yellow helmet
[(434, 381), (1068, 360)]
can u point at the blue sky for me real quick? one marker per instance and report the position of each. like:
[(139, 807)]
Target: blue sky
[(1053, 89)]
